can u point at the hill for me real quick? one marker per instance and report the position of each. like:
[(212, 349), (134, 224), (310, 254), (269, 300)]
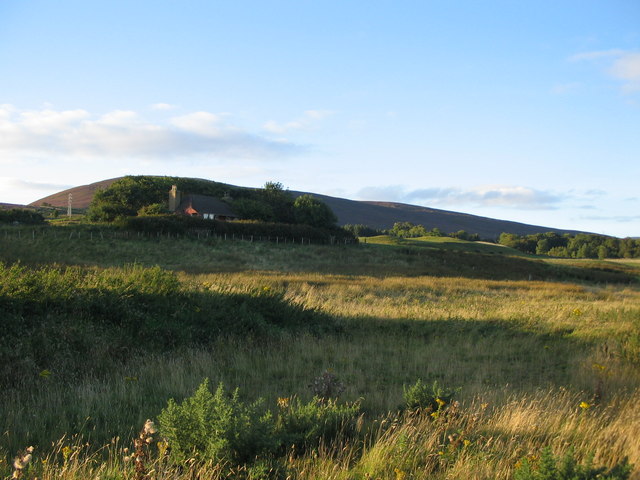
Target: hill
[(82, 195), (381, 215)]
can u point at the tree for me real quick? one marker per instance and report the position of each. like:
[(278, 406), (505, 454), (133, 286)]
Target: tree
[(250, 209), (543, 246), (309, 210), (279, 201)]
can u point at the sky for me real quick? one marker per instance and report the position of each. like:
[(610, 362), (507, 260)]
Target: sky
[(522, 111)]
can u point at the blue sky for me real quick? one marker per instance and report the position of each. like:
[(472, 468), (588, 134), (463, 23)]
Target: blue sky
[(525, 111)]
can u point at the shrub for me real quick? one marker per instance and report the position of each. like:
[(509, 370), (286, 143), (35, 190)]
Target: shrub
[(548, 467), (304, 425), (217, 427), (431, 398)]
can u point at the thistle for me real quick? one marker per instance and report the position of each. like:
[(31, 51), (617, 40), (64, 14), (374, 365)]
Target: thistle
[(141, 453), (21, 462)]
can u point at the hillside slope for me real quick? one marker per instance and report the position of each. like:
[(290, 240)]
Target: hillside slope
[(380, 215), (383, 215)]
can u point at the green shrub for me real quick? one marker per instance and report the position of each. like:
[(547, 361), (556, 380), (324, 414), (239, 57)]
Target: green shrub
[(305, 424), (548, 467), (431, 398), (217, 427)]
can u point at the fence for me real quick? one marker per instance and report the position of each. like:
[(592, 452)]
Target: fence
[(19, 233)]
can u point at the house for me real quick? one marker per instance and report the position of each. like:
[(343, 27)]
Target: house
[(199, 206)]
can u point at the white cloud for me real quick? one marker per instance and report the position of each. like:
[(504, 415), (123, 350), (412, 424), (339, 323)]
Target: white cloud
[(304, 122), (202, 123), (622, 65), (125, 134), (163, 106), (487, 196), (122, 118), (627, 68)]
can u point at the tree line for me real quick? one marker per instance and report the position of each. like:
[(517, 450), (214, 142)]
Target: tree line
[(408, 230), (581, 245), (21, 215)]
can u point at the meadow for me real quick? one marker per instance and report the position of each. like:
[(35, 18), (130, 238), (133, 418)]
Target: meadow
[(102, 331)]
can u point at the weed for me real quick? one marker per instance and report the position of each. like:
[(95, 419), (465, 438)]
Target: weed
[(326, 386)]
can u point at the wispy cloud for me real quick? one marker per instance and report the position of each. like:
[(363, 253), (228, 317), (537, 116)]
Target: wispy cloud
[(623, 65), (125, 134), (615, 218), (15, 183), (307, 120), (163, 106), (489, 196)]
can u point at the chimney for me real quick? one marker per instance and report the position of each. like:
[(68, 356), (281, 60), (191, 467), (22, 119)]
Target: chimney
[(175, 198)]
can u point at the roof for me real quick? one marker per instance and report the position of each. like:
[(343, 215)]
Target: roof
[(205, 204)]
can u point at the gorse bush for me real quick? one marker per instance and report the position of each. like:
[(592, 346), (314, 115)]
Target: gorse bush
[(550, 467), (303, 425), (217, 426), (431, 398)]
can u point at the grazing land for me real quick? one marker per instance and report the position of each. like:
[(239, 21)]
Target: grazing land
[(523, 353)]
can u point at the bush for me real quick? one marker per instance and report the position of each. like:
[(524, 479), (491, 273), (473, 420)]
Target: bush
[(304, 425), (220, 427), (548, 467), (217, 427), (431, 398)]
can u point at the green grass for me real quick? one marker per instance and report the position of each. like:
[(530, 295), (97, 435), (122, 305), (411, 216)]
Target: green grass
[(445, 243), (97, 348)]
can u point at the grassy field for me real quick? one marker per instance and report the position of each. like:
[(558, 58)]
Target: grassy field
[(539, 352)]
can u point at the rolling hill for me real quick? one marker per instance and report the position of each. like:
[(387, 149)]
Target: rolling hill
[(381, 215)]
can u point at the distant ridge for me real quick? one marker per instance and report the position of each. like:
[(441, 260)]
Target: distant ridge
[(381, 215), (9, 206)]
